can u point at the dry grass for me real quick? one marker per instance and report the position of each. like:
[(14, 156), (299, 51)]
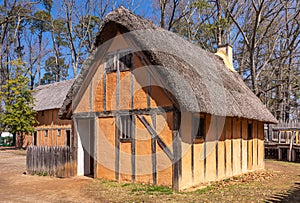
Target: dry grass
[(279, 182)]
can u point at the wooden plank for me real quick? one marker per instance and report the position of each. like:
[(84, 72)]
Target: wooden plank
[(192, 146), (91, 96), (117, 148), (95, 146), (104, 90), (118, 82), (148, 89), (154, 134), (231, 145), (132, 85), (54, 128), (241, 144), (204, 146), (114, 113), (176, 151), (225, 152), (217, 148), (153, 148), (133, 150), (257, 138), (28, 156)]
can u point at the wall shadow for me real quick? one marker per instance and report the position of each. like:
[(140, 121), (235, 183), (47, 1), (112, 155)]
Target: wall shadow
[(292, 195)]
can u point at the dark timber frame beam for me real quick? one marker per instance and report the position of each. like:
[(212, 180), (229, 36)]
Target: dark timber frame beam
[(115, 113), (155, 135)]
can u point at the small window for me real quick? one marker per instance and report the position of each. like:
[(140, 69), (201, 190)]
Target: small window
[(199, 127), (43, 113), (110, 63), (68, 133), (123, 59), (46, 133), (250, 136), (35, 138), (58, 132), (126, 128)]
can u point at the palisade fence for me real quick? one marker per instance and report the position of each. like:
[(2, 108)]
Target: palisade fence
[(53, 161)]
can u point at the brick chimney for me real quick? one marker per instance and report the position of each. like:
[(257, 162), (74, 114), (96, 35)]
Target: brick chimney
[(225, 52)]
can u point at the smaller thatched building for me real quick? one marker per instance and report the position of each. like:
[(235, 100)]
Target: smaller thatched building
[(50, 130), (151, 107)]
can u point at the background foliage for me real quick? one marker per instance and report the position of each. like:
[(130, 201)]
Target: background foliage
[(53, 38)]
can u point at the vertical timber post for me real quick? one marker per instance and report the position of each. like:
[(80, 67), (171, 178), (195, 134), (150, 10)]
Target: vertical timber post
[(176, 150)]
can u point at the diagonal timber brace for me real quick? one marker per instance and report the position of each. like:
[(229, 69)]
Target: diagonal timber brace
[(155, 135)]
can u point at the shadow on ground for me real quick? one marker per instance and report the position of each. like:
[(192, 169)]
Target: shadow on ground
[(7, 148), (292, 195)]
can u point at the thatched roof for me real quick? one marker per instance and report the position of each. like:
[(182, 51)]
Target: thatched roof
[(197, 79), (51, 96)]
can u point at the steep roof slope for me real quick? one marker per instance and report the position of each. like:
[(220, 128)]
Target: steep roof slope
[(197, 79), (51, 96)]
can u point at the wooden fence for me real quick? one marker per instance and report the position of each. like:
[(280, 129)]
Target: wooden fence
[(282, 141), (53, 161)]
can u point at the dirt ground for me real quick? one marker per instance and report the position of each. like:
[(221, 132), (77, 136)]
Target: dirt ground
[(280, 182), (17, 187)]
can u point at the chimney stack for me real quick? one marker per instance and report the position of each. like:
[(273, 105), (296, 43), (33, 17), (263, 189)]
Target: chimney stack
[(225, 52)]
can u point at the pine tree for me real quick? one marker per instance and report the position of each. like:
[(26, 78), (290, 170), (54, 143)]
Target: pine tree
[(18, 116)]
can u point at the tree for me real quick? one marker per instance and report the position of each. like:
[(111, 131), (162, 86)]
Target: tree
[(80, 30), (171, 12), (18, 116), (52, 72), (39, 24)]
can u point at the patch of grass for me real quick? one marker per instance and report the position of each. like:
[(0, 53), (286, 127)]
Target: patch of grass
[(158, 189), (126, 184), (148, 189), (205, 190)]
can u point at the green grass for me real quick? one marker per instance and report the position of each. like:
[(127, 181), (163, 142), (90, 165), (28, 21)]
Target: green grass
[(147, 188), (205, 190), (151, 189)]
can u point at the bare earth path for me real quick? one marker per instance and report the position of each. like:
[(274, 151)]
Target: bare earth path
[(16, 187), (280, 182)]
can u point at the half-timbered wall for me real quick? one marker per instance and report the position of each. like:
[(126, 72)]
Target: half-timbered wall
[(227, 149), (50, 131), (105, 96), (109, 95)]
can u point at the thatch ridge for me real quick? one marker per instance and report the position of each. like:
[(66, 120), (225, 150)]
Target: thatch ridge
[(51, 96), (198, 79)]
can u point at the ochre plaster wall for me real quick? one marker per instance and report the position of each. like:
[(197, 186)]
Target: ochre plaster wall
[(143, 151), (232, 154), (106, 148), (48, 120)]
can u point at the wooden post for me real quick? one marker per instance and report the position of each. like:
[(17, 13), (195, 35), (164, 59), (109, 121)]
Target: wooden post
[(291, 147), (279, 154), (176, 151)]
